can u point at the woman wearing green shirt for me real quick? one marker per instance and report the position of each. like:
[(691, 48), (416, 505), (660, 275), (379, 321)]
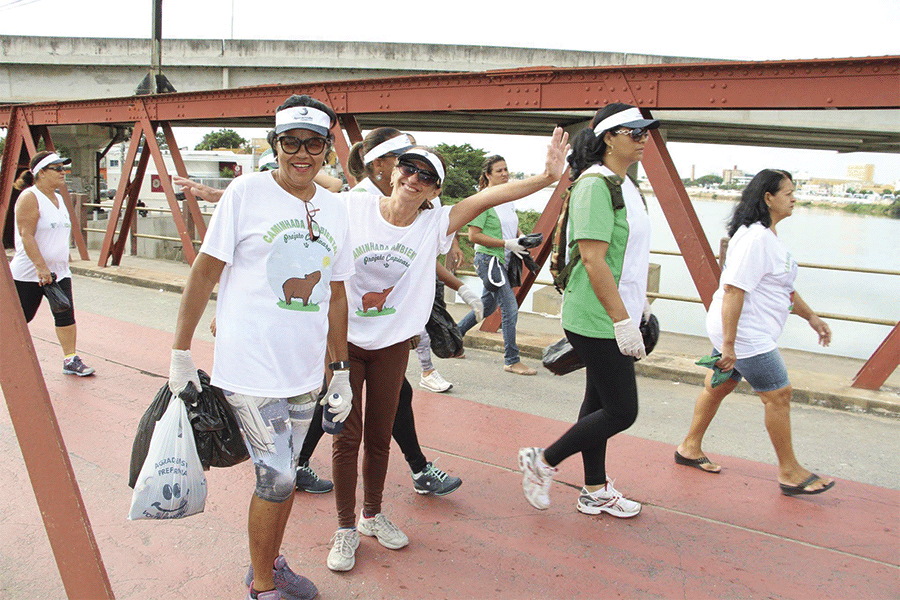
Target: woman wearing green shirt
[(495, 233), (604, 300)]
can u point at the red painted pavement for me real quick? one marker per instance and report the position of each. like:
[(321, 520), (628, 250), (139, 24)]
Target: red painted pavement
[(699, 536)]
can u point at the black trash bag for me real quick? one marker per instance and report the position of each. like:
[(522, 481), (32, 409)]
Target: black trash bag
[(560, 358), (531, 240), (514, 270), (650, 333), (446, 340), (216, 430), (56, 297)]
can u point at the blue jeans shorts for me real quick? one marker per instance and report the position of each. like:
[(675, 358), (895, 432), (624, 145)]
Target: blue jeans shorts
[(764, 372)]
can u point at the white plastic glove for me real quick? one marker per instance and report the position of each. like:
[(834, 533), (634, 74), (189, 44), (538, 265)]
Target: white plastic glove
[(513, 245), (472, 300), (647, 311), (340, 385), (182, 372), (629, 339)]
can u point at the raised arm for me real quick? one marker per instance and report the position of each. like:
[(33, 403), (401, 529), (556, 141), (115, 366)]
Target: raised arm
[(489, 197), (204, 192)]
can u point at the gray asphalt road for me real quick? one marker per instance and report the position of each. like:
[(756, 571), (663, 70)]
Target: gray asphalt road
[(858, 447)]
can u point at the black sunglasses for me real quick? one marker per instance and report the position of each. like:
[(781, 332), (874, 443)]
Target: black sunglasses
[(310, 221), (57, 169), (427, 177), (292, 145), (637, 134)]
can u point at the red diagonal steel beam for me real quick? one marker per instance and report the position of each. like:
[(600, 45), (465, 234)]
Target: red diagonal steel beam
[(190, 199), (187, 243), (13, 154), (882, 363), (125, 183), (44, 453)]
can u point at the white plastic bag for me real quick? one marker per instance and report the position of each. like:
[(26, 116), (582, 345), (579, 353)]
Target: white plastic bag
[(171, 484)]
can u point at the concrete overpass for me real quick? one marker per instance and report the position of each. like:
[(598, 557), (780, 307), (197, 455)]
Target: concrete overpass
[(37, 69)]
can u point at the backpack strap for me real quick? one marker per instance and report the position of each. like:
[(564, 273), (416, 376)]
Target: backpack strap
[(560, 267)]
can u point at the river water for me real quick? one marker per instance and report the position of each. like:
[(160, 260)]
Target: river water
[(813, 235)]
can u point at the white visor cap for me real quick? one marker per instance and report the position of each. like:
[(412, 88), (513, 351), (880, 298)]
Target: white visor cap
[(432, 160), (396, 145), (631, 118), (302, 117), (50, 159)]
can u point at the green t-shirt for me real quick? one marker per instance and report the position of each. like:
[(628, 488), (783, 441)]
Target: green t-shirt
[(489, 223), (592, 217)]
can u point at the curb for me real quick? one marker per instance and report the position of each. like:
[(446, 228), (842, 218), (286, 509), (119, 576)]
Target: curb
[(679, 368)]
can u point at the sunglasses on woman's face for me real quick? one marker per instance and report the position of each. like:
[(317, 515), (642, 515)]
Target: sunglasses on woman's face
[(57, 169), (637, 134), (427, 177), (292, 145)]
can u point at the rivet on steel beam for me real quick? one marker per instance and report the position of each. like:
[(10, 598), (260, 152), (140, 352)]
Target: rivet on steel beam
[(712, 100), (652, 87), (586, 102), (637, 87), (712, 86), (875, 69), (828, 100), (587, 89), (724, 100), (641, 101), (724, 85)]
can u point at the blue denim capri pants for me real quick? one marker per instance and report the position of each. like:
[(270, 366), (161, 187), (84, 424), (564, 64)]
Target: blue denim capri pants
[(764, 372)]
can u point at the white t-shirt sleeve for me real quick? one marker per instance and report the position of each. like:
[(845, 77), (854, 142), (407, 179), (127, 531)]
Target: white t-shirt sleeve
[(747, 263), (221, 235), (445, 240)]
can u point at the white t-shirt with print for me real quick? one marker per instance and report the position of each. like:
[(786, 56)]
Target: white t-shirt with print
[(761, 265), (274, 293), (391, 293)]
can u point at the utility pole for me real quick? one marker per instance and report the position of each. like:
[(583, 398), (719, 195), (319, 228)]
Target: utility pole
[(155, 82)]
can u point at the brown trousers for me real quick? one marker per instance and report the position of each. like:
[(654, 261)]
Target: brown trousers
[(382, 371)]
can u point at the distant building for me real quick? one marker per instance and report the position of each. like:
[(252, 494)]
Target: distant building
[(864, 173)]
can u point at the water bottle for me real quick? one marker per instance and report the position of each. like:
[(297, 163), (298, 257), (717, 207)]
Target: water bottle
[(329, 425)]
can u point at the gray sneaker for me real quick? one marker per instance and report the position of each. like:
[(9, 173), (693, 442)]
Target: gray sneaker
[(309, 482), (609, 500), (380, 527), (342, 555), (74, 366), (434, 481), (291, 585)]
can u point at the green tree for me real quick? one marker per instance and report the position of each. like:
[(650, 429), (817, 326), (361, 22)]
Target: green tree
[(223, 138), (708, 180), (161, 140), (463, 169)]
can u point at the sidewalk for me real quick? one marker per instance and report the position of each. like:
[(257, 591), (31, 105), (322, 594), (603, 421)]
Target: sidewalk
[(728, 536), (818, 379)]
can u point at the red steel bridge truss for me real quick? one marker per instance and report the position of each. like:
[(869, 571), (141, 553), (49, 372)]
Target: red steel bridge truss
[(529, 100)]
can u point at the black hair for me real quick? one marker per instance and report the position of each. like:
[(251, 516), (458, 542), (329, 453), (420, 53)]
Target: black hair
[(588, 148), (356, 161), (752, 207), (486, 168)]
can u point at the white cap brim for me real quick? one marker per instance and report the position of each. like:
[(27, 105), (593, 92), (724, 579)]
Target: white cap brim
[(302, 117), (50, 159), (422, 154)]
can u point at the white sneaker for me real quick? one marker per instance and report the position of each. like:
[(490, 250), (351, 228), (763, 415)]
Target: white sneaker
[(609, 500), (434, 382), (388, 534), (342, 555), (536, 477)]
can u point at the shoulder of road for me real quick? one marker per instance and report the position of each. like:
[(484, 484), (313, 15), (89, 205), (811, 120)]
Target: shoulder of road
[(818, 379)]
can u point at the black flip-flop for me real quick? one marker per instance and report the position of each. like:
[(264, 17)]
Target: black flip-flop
[(697, 463), (800, 488)]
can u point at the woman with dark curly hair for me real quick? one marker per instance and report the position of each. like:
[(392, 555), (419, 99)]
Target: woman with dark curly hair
[(603, 302), (747, 314)]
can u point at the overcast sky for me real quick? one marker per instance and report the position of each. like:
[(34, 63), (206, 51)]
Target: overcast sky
[(759, 30)]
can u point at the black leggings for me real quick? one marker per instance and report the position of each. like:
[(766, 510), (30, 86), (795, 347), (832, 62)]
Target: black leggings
[(610, 406), (31, 294), (404, 431)]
